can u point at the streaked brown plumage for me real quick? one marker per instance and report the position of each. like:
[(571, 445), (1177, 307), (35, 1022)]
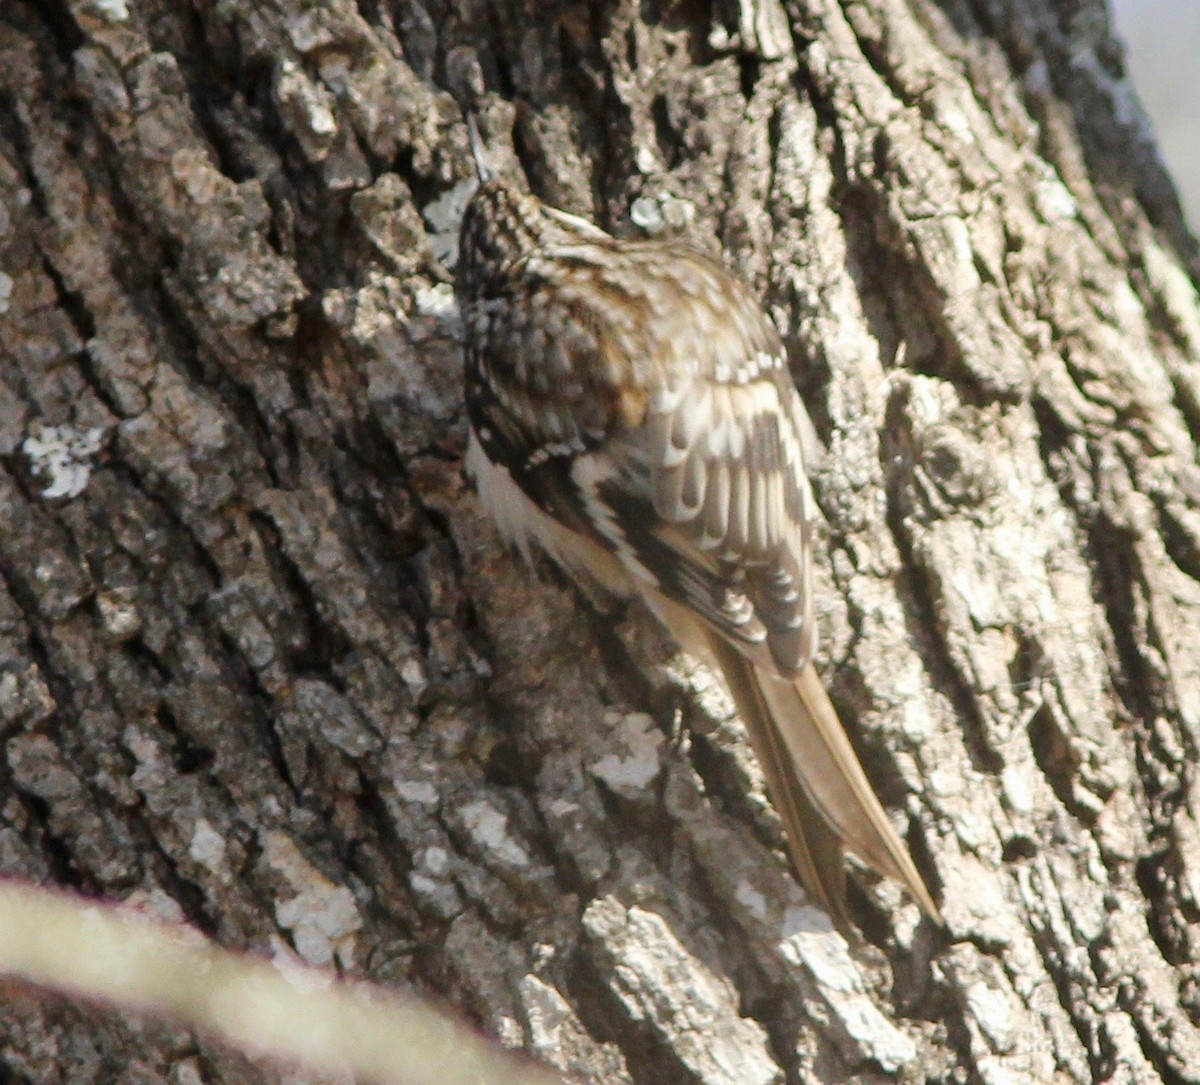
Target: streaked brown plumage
[(632, 413)]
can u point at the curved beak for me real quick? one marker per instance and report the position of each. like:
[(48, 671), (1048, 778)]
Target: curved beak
[(482, 168)]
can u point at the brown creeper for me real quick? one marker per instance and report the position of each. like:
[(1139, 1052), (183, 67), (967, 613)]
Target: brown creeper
[(632, 413)]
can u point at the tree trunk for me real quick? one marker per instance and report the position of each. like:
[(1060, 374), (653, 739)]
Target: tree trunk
[(265, 667)]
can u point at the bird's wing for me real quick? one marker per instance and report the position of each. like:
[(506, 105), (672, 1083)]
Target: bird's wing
[(708, 506), (708, 502)]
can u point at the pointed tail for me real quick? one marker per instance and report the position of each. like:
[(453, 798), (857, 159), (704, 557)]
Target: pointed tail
[(816, 783)]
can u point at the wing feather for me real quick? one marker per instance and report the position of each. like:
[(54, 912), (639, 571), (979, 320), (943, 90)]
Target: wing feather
[(717, 512), (716, 506)]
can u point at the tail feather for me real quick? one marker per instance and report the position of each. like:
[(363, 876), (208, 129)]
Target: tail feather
[(816, 783)]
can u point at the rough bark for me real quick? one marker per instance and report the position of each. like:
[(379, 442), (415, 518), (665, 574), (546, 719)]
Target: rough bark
[(265, 668)]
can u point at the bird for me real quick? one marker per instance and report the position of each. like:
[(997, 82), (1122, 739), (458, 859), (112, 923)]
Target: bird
[(632, 414)]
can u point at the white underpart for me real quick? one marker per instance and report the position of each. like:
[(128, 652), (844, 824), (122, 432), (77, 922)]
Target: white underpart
[(525, 525)]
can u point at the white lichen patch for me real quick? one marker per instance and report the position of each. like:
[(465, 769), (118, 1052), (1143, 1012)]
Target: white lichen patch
[(812, 944), (1055, 201), (119, 615), (308, 107), (1172, 284), (436, 861), (207, 847), (6, 289), (436, 893), (489, 828), (562, 808), (62, 455), (662, 213), (319, 919), (646, 160), (554, 1030), (509, 1032), (992, 1011), (424, 886), (432, 880), (309, 31), (1015, 781), (321, 916), (753, 900), (670, 992), (444, 216), (414, 676), (115, 11), (421, 792), (437, 301), (956, 121), (702, 684), (629, 772)]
